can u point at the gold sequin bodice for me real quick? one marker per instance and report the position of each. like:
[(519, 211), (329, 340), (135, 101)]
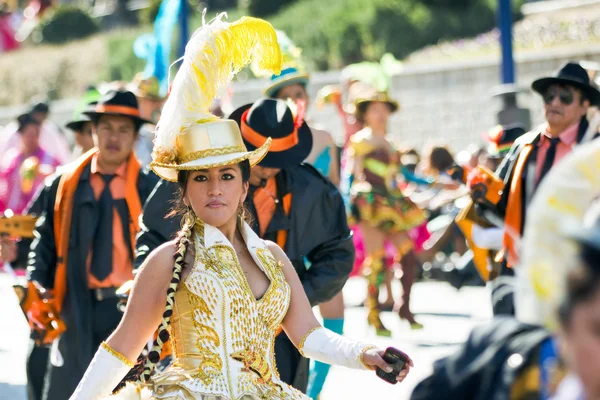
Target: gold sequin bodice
[(222, 336)]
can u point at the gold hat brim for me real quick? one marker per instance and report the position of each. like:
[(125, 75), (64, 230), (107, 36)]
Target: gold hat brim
[(361, 104), (169, 171)]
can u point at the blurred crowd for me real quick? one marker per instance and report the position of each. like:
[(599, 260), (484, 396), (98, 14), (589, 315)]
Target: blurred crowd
[(429, 213)]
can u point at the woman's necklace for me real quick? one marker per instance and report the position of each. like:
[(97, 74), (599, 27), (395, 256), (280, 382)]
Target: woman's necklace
[(239, 254)]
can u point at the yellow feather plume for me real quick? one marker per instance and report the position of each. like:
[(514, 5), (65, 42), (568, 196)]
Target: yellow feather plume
[(214, 54)]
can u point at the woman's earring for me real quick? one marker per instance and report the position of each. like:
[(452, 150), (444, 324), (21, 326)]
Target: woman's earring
[(190, 217)]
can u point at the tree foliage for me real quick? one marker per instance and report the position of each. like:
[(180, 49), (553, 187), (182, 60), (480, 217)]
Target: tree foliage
[(63, 24), (264, 8), (334, 33)]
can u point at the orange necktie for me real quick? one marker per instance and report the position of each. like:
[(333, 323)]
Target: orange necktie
[(265, 203)]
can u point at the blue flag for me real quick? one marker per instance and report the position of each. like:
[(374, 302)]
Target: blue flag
[(156, 48)]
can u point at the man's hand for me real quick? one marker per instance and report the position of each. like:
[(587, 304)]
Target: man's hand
[(8, 250)]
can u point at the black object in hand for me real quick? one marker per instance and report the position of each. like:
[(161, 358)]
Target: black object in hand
[(397, 360)]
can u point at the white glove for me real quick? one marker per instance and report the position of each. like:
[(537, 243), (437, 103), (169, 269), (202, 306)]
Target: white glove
[(328, 347), (103, 374)]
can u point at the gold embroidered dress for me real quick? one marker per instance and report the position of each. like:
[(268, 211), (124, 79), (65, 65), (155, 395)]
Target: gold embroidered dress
[(222, 336)]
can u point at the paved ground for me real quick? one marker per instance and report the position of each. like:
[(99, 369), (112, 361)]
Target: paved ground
[(448, 316)]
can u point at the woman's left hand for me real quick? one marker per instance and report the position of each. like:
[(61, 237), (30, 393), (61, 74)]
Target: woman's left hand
[(373, 359)]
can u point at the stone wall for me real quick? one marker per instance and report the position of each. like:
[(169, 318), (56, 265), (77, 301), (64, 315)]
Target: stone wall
[(449, 104)]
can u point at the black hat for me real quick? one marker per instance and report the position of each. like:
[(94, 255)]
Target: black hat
[(273, 118), (77, 123), (117, 102), (571, 74)]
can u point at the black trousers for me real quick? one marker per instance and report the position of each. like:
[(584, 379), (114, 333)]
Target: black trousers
[(503, 292), (37, 361), (61, 382), (292, 367)]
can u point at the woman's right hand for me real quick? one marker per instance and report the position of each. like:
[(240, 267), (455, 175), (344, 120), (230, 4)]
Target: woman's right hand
[(373, 358)]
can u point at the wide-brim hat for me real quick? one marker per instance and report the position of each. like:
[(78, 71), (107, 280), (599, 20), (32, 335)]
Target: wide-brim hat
[(289, 76), (77, 123), (292, 138), (571, 74), (146, 88), (380, 97), (118, 102), (207, 145)]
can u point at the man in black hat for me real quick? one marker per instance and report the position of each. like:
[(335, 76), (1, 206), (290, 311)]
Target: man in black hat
[(567, 96), (292, 205), (83, 246)]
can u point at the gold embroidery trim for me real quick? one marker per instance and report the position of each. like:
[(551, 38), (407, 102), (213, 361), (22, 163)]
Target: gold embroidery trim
[(237, 160), (117, 355), (219, 151), (362, 353), (301, 344)]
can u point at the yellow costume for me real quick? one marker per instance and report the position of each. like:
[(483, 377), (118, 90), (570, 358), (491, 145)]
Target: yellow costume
[(222, 336)]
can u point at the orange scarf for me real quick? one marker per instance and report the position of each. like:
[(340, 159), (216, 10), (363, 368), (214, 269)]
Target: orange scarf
[(514, 210), (265, 205), (63, 212)]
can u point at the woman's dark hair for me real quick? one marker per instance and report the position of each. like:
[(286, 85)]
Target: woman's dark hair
[(40, 107), (26, 119), (361, 110), (583, 282), (440, 158)]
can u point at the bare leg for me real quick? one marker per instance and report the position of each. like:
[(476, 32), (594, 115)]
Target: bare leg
[(389, 297), (410, 264), (374, 271)]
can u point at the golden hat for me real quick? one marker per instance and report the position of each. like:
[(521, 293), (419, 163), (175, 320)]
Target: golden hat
[(208, 145), (188, 136), (381, 97), (146, 88)]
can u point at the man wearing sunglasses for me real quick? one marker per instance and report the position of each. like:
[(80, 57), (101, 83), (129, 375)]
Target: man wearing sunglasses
[(567, 96)]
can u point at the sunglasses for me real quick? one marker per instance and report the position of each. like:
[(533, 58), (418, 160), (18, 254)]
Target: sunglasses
[(564, 95)]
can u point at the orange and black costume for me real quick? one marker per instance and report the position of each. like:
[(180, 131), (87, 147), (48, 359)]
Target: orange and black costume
[(60, 260)]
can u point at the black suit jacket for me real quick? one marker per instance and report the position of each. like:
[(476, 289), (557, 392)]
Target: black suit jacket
[(42, 255)]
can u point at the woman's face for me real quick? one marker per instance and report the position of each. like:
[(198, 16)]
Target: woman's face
[(216, 194), (30, 135), (581, 344), (377, 115)]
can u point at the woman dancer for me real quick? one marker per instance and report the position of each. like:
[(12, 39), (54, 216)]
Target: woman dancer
[(226, 291), (382, 211)]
